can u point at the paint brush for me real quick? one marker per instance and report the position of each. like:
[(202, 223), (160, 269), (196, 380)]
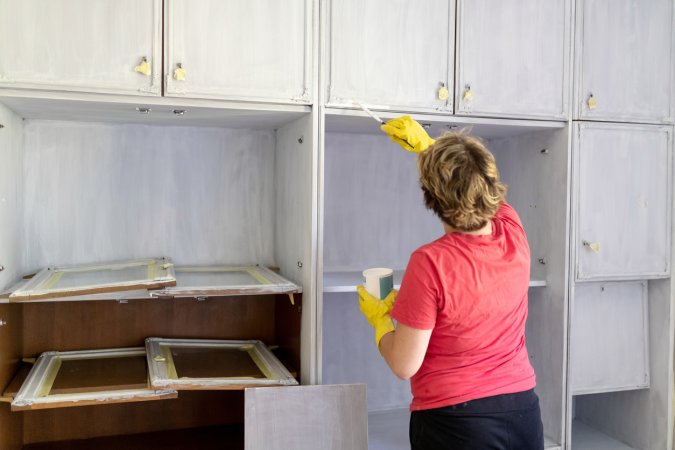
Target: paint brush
[(369, 112)]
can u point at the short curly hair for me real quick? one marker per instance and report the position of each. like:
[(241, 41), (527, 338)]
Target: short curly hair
[(460, 180)]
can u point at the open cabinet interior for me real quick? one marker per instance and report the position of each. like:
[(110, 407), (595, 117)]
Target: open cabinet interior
[(82, 192), (374, 216), (622, 401)]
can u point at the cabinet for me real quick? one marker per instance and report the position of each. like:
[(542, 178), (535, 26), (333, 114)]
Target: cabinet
[(512, 58), (240, 49), (623, 221), (625, 60), (396, 63), (77, 45)]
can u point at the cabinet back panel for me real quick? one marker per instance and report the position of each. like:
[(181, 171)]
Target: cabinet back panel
[(374, 209), (108, 324), (190, 409), (101, 192)]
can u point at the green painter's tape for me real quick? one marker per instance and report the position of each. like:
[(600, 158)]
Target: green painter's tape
[(386, 285)]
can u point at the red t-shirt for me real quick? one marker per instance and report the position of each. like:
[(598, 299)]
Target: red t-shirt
[(472, 291)]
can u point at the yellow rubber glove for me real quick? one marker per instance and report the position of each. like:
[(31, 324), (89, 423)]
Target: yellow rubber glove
[(407, 133), (377, 311)]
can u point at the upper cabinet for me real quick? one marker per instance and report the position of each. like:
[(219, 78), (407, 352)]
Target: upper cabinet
[(239, 49), (403, 62), (108, 46), (625, 60), (512, 58), (623, 195)]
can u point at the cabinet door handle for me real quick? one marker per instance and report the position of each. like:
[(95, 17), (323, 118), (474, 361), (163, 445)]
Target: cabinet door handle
[(468, 93), (595, 246), (144, 67), (591, 102), (443, 93), (179, 73)]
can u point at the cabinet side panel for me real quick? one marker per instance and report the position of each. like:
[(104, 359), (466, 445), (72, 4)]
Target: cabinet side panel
[(11, 424), (11, 197)]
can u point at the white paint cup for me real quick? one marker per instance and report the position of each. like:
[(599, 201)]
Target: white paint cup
[(378, 281)]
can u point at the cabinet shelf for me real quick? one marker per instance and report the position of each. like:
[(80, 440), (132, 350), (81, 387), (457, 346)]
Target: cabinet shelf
[(345, 120), (588, 438), (125, 109), (214, 437), (347, 280)]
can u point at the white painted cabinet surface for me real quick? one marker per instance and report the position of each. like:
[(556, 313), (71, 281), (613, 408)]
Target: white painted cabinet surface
[(512, 58), (609, 337), (239, 49), (391, 54), (81, 45), (623, 198), (625, 60)]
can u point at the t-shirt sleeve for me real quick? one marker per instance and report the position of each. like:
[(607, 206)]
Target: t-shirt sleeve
[(507, 213), (416, 304)]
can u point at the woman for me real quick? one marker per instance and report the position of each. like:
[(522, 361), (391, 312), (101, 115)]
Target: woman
[(462, 306)]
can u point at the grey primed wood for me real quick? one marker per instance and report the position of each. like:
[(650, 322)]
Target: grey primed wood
[(295, 225), (514, 55), (625, 57), (306, 418), (100, 192), (538, 190), (11, 198), (642, 418), (609, 337), (350, 355), (623, 197), (585, 437), (81, 45), (397, 62), (240, 49)]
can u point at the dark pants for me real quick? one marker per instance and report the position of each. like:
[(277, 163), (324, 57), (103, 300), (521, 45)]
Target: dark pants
[(502, 422)]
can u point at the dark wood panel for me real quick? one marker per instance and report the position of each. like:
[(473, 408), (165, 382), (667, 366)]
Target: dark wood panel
[(11, 428), (90, 325), (288, 320), (190, 410), (11, 425), (204, 438)]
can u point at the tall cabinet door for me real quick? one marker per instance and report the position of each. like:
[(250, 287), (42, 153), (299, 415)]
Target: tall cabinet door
[(239, 49), (512, 58), (625, 60), (623, 201), (108, 46), (402, 62)]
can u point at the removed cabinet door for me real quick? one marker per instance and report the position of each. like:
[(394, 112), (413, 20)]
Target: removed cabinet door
[(239, 49), (392, 54), (105, 46), (512, 58)]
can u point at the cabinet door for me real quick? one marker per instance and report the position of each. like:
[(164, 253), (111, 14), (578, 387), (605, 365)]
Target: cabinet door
[(623, 200), (609, 337), (391, 54), (81, 45), (306, 418), (625, 60), (239, 49), (512, 58)]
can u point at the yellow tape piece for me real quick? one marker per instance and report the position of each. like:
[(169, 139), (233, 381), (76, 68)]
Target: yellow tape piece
[(291, 298), (144, 68), (51, 281), (46, 386), (258, 362), (258, 277), (152, 270), (170, 366)]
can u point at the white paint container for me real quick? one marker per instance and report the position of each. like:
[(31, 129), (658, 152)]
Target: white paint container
[(378, 281)]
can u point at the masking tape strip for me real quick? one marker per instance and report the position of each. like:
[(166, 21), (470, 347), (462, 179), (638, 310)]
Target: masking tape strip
[(259, 362), (152, 270), (55, 278), (50, 376), (170, 366), (258, 276)]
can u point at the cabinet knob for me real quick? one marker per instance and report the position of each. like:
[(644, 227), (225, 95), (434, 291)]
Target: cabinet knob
[(144, 67), (468, 93), (595, 246), (591, 102), (443, 93), (179, 73)]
